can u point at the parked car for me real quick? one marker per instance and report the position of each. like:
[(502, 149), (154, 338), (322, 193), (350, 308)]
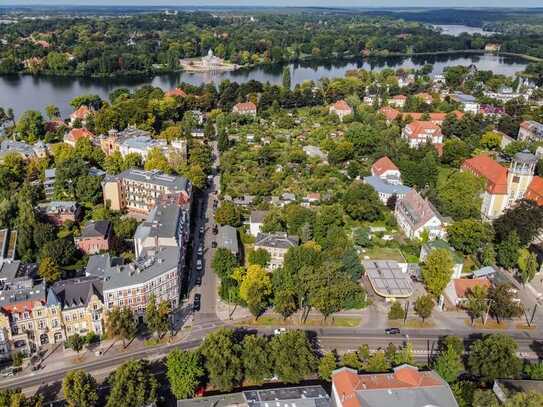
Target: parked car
[(198, 281), (279, 331), (392, 331), (214, 244), (215, 229), (201, 230), (200, 250), (198, 265), (197, 302)]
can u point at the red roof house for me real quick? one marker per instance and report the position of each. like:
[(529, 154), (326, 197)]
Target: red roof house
[(248, 108), (176, 92), (535, 190), (76, 134), (494, 173)]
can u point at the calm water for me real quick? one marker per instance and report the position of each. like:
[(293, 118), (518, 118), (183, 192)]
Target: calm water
[(25, 92), (456, 30)]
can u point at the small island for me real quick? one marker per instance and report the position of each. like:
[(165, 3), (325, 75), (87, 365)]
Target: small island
[(209, 63)]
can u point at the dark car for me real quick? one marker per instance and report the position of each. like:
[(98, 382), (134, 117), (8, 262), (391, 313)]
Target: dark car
[(214, 244), (392, 331), (198, 280), (197, 302), (215, 229)]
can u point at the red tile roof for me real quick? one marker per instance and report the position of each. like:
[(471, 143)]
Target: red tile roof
[(176, 92), (342, 105), (81, 113), (245, 107), (18, 306), (535, 190), (423, 128), (383, 165), (389, 113), (76, 134), (494, 173), (399, 97), (462, 285)]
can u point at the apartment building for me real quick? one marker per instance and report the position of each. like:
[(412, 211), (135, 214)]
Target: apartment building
[(277, 245), (137, 191)]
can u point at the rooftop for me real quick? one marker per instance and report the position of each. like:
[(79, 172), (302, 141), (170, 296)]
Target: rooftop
[(257, 216), (228, 239), (280, 240), (74, 292), (99, 228), (383, 165), (381, 186), (174, 182), (463, 285), (494, 173), (387, 279)]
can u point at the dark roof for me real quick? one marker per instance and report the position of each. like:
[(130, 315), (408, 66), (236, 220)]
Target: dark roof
[(99, 228), (75, 292), (258, 216)]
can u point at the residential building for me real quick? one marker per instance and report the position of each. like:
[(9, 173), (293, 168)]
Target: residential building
[(81, 305), (247, 108), (491, 111), (421, 132), (26, 321), (435, 117), (405, 386), (277, 245), (228, 239), (405, 79), (416, 215), (167, 225), (505, 94), (530, 130), (310, 199), (492, 47), (341, 108), (456, 257), (95, 237), (137, 191), (197, 132), (398, 101), (74, 135), (505, 186), (302, 396), (468, 102), (26, 151), (426, 97), (535, 191), (58, 212), (256, 221), (131, 285), (386, 180), (80, 114), (49, 182), (458, 288)]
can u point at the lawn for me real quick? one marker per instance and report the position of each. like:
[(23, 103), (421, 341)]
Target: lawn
[(383, 253), (411, 323), (338, 322)]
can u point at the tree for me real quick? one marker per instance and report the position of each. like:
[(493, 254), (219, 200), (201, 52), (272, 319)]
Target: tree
[(469, 235), (502, 304), (120, 323), (494, 357), (525, 399), (222, 359), (424, 306), (449, 364), (185, 372), (260, 257), (437, 271), (527, 264), (485, 398), (459, 195), (80, 389), (396, 311), (92, 101), (76, 342), (361, 202), (286, 78), (157, 319), (256, 359), (157, 161), (507, 251), (228, 214), (534, 371), (525, 218), (223, 263), (30, 126), (292, 356), (377, 363), (477, 303), (52, 112), (49, 270), (255, 289), (327, 365), (15, 398), (133, 385)]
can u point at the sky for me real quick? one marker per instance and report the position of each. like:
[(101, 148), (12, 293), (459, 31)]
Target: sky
[(322, 3)]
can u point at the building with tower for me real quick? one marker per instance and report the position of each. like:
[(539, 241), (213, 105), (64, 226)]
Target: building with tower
[(505, 186)]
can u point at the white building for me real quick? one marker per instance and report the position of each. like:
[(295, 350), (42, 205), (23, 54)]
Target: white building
[(416, 215)]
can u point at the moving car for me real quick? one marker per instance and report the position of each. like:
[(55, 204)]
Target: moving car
[(392, 331), (197, 302)]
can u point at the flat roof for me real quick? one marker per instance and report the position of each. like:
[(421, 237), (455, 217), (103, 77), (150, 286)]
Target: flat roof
[(387, 279)]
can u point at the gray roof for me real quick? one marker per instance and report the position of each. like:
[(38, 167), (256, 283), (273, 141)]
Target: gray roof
[(384, 187), (9, 270), (75, 292), (408, 397), (504, 388), (228, 239), (7, 146), (463, 98), (142, 270), (50, 173), (99, 228), (257, 216), (57, 206), (387, 279), (162, 221), (12, 296), (143, 142), (305, 396), (525, 157), (173, 182), (280, 240)]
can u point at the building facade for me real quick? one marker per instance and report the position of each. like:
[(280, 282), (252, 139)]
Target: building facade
[(416, 215), (277, 245)]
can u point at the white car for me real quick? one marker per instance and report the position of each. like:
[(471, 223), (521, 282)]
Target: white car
[(199, 265), (279, 331)]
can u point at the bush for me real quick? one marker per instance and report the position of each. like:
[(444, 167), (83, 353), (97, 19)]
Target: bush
[(17, 359), (396, 311), (91, 337)]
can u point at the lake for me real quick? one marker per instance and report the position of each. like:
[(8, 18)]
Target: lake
[(26, 92), (456, 30)]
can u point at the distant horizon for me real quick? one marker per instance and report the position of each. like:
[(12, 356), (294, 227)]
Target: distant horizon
[(456, 4)]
